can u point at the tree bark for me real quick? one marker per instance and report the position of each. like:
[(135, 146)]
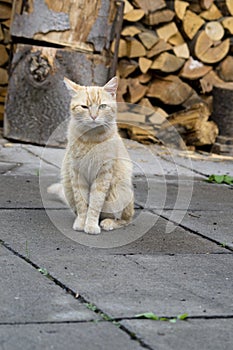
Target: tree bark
[(37, 99)]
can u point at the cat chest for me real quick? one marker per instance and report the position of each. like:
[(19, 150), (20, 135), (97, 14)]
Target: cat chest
[(96, 161)]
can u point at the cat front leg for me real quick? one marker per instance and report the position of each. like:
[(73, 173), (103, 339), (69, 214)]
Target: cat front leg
[(80, 191), (98, 193)]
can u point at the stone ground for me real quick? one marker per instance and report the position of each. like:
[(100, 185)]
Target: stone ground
[(63, 289)]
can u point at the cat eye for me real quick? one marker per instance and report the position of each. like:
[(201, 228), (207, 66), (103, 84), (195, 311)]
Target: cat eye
[(103, 106), (84, 106)]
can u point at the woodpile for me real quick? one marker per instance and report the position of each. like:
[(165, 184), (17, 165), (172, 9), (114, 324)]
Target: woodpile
[(171, 56), (5, 15)]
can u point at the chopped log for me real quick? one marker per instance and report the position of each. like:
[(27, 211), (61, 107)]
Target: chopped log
[(134, 15), (195, 6), (159, 17), (158, 48), (148, 38), (180, 8), (122, 90), (194, 69), (37, 77), (66, 25), (228, 24), (126, 67), (1, 34), (212, 13), (134, 48), (158, 117), (128, 7), (131, 117), (176, 39), (142, 135), (3, 55), (3, 76), (226, 69), (131, 30), (229, 5), (191, 24), (150, 5), (205, 133), (122, 49), (207, 51), (167, 63), (170, 90), (144, 64), (167, 31), (5, 10), (205, 4), (182, 51), (193, 125), (214, 30), (136, 90), (144, 78), (212, 79), (146, 104)]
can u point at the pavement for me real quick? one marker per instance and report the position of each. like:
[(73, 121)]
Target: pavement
[(62, 289)]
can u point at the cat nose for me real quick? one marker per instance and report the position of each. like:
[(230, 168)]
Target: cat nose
[(94, 116)]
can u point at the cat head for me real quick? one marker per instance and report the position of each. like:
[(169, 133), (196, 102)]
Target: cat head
[(93, 106)]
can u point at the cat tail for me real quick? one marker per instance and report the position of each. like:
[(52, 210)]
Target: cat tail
[(58, 190)]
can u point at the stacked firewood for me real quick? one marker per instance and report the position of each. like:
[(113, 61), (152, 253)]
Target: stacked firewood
[(5, 14), (171, 55)]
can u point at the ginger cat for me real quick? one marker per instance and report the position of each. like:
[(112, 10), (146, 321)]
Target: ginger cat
[(96, 171)]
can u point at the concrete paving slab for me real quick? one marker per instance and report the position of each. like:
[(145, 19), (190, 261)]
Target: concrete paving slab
[(81, 336), (124, 285), (45, 237), (152, 193), (27, 163), (166, 285), (27, 296), (216, 225), (178, 194), (202, 163), (204, 334), (6, 167), (145, 161), (20, 192)]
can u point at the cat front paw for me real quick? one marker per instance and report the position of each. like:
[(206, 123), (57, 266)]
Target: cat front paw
[(79, 224), (92, 229), (108, 224)]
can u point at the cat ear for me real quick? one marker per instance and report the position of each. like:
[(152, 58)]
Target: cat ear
[(71, 86), (111, 86)]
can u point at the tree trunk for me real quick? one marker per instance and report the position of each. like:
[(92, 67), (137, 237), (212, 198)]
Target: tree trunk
[(38, 101), (223, 116)]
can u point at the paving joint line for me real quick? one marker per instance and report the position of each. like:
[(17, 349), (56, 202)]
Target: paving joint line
[(40, 157), (118, 319), (80, 298), (226, 246)]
